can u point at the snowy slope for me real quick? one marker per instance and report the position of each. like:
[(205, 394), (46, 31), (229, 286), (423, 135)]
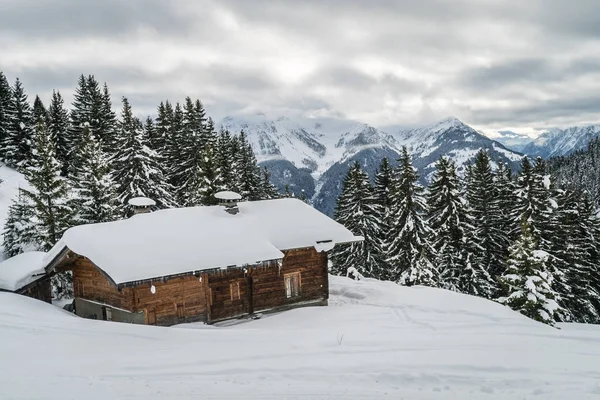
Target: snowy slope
[(559, 142), (312, 143), (375, 340)]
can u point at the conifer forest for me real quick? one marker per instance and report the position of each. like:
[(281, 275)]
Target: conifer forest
[(529, 238)]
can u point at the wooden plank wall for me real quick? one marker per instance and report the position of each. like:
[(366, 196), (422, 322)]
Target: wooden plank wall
[(187, 292), (185, 299), (269, 286), (90, 284)]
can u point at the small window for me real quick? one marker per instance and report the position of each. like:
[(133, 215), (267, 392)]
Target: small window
[(234, 290), (108, 314), (292, 285), (180, 311)]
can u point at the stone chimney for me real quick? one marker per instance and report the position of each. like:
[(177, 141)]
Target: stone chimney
[(141, 205), (229, 200)]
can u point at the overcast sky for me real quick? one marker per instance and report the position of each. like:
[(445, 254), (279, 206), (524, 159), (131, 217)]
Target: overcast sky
[(496, 64)]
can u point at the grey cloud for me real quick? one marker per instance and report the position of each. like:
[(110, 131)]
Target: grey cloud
[(584, 107), (423, 51), (84, 18)]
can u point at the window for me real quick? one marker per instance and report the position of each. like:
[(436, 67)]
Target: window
[(180, 312), (234, 290), (292, 285)]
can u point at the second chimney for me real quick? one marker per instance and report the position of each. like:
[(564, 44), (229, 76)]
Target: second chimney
[(229, 200), (141, 205)]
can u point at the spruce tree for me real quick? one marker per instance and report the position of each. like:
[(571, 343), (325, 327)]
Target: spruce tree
[(95, 199), (136, 171), (7, 111), (487, 239), (225, 161), (164, 120), (447, 220), (573, 251), (506, 194), (58, 125), (383, 187), (19, 139), (19, 227), (409, 234), (248, 173), (355, 211), (268, 191), (39, 111), (527, 283), (533, 204), (48, 192)]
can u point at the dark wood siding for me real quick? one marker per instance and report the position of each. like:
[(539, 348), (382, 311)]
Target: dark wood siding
[(268, 285), (40, 289), (175, 301), (91, 284), (218, 295)]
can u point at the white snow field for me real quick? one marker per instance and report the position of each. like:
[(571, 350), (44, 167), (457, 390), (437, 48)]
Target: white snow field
[(375, 340)]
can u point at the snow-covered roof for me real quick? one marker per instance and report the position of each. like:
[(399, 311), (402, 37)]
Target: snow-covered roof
[(141, 202), (227, 195), (182, 240), (19, 271)]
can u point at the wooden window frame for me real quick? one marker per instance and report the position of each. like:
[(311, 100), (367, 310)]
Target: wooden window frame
[(289, 294), (236, 286)]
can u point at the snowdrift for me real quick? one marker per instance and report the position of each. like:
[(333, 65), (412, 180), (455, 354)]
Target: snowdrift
[(375, 340)]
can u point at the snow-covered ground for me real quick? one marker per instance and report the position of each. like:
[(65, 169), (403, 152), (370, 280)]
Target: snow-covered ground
[(375, 340)]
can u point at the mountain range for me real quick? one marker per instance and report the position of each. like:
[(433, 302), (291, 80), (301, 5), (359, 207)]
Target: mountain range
[(313, 154)]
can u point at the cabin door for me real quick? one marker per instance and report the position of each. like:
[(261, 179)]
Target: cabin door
[(151, 314)]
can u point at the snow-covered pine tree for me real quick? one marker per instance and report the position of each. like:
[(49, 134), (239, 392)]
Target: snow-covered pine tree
[(505, 192), (94, 196), (7, 110), (573, 255), (533, 204), (447, 220), (39, 111), (268, 191), (409, 234), (382, 191), (164, 120), (486, 238), (225, 160), (247, 170), (106, 128), (19, 227), (58, 125), (211, 175), (286, 192), (590, 229), (136, 171), (48, 192), (172, 155), (19, 139), (92, 108), (186, 155), (527, 284), (354, 210)]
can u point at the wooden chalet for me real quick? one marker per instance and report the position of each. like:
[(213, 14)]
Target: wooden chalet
[(24, 274), (207, 263)]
